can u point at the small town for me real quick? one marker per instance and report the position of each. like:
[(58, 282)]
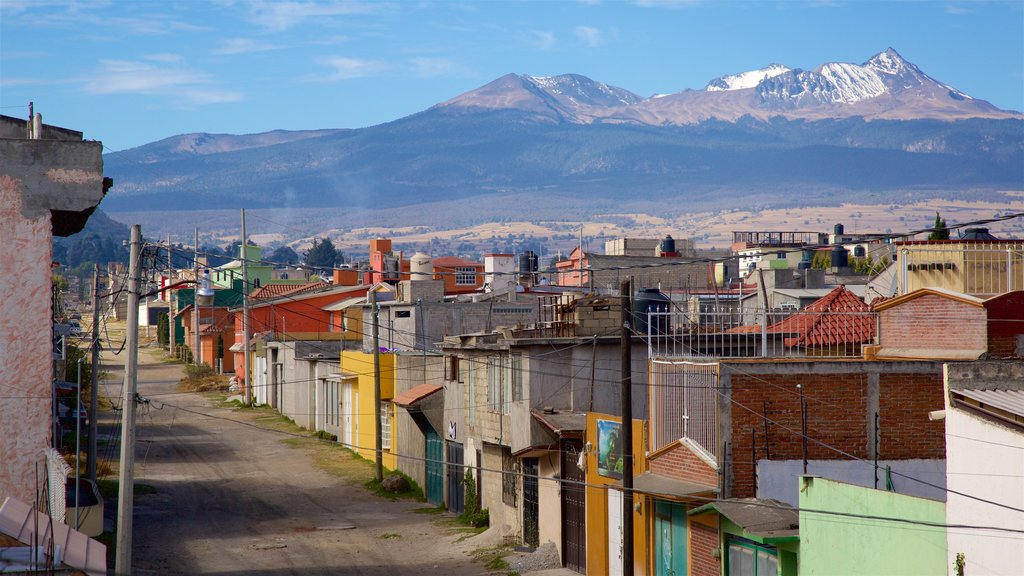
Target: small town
[(264, 385)]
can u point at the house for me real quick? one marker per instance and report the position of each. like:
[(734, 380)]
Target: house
[(215, 325), (605, 274), (984, 417), (51, 180), (460, 276)]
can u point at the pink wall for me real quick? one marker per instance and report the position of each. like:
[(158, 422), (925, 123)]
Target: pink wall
[(26, 370)]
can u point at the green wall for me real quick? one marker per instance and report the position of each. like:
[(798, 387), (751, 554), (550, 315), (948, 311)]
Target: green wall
[(836, 545)]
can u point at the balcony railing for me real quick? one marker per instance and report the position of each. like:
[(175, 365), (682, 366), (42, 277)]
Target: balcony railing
[(979, 268)]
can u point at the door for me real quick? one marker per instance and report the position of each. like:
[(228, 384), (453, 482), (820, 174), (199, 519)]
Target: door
[(574, 511), (456, 473), (669, 539), (531, 503), (434, 467), (347, 424), (614, 532)]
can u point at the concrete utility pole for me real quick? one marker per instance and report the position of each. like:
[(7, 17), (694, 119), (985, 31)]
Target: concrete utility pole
[(376, 386), (196, 348), (627, 429), (171, 332), (95, 373), (249, 396), (125, 495)]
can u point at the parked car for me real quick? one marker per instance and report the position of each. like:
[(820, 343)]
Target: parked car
[(76, 328)]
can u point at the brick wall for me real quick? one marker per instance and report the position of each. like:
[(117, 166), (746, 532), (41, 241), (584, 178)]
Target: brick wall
[(703, 542), (904, 429), (836, 412), (933, 321), (681, 463)]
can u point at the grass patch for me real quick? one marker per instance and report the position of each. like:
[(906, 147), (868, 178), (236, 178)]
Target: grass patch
[(431, 510), (411, 492), (389, 536), (324, 435), (492, 558), (202, 378), (109, 488)]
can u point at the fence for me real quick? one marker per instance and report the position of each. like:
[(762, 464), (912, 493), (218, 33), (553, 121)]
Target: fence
[(968, 267)]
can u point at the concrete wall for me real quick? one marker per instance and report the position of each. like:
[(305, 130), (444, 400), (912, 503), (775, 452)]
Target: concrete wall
[(36, 177), (831, 545), (985, 459), (775, 478), (549, 500), (407, 438), (429, 322)]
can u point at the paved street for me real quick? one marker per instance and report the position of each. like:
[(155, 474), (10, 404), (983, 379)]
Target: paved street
[(233, 498)]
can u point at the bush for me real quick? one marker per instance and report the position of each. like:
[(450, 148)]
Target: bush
[(472, 514)]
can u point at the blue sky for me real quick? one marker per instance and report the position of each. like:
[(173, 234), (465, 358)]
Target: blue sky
[(132, 72)]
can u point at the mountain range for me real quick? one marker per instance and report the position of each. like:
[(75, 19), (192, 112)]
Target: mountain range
[(773, 136)]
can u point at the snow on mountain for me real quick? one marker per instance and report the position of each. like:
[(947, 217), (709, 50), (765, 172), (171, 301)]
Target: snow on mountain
[(582, 90), (745, 80), (852, 83)]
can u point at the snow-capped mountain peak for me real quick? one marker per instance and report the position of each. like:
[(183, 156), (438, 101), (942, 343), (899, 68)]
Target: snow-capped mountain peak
[(889, 62), (582, 90), (745, 79)]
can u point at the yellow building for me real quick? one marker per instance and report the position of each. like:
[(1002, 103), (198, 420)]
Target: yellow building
[(358, 413), (977, 267)]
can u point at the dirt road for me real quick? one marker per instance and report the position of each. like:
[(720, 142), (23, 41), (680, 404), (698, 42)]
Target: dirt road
[(237, 498)]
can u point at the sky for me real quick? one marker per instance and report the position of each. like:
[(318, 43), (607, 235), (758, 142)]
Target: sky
[(133, 72)]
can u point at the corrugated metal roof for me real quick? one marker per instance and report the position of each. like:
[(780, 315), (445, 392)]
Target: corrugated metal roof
[(651, 483), (562, 422), (347, 303), (1011, 401), (19, 521), (764, 518)]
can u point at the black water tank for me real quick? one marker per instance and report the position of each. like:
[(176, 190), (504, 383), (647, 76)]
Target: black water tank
[(527, 263), (649, 300), (838, 229), (840, 257), (859, 252), (668, 244)]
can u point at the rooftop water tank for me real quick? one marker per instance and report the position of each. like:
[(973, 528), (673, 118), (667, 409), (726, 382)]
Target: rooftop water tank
[(527, 262), (667, 245), (838, 229), (840, 257), (421, 266), (646, 301), (859, 252)]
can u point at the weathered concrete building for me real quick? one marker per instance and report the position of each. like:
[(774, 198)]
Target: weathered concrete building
[(50, 182)]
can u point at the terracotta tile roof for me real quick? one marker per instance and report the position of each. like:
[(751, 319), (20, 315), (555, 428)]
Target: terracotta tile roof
[(415, 394), (839, 317), (277, 290), (453, 261)]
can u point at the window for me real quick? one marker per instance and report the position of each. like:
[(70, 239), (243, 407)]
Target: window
[(385, 424), (749, 559), (472, 395), (516, 377), (509, 479), (403, 314), (494, 391), (453, 369), (465, 276)]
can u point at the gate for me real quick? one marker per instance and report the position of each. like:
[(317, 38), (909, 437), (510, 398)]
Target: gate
[(574, 513), (434, 467), (456, 473), (531, 501)]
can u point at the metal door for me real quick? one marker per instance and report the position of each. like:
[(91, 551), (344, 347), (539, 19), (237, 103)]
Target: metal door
[(614, 532), (574, 508), (669, 538), (531, 503), (434, 467), (347, 424), (456, 473)]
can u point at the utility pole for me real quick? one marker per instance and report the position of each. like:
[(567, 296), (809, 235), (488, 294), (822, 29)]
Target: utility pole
[(376, 385), (626, 291), (196, 348), (95, 373), (125, 496), (245, 314), (171, 332)]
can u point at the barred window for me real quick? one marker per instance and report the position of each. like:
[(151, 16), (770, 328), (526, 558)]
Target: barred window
[(385, 424), (465, 276), (509, 479)]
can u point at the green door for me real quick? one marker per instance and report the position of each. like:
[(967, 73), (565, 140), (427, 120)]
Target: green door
[(435, 467), (669, 538)]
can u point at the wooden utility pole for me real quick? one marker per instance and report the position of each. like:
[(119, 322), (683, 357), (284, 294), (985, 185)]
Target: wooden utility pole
[(627, 429), (249, 396), (171, 332), (95, 372), (125, 495), (376, 386), (196, 348)]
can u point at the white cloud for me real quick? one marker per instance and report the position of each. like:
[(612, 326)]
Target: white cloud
[(244, 46), (186, 86), (346, 68), (164, 57), (542, 39), (283, 15), (591, 37), (433, 67)]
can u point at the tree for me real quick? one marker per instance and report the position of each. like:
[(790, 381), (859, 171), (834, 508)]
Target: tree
[(284, 255), (163, 330), (322, 254), (939, 229)]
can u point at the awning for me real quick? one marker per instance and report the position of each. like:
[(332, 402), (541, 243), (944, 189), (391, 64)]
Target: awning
[(658, 485), (562, 423), (764, 518), (416, 394), (347, 303), (20, 522), (237, 347)]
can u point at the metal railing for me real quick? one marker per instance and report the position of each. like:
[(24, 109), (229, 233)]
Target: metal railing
[(759, 333), (684, 404), (985, 268)]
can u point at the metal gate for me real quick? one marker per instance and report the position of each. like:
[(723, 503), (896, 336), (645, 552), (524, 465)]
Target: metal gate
[(574, 512), (456, 472), (434, 467), (531, 501)]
